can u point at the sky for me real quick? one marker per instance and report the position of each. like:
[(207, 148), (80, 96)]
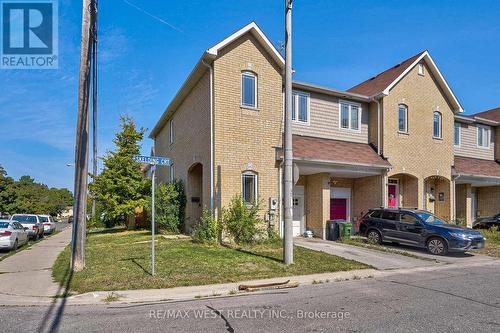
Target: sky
[(148, 48)]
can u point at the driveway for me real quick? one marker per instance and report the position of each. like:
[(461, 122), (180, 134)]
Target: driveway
[(377, 259), (27, 275)]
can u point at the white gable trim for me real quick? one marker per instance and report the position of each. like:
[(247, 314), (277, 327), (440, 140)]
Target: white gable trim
[(254, 28), (435, 70)]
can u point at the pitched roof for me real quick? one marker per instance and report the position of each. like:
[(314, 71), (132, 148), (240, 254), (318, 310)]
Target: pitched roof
[(336, 151), (382, 83), (493, 114), (476, 167), (201, 67)]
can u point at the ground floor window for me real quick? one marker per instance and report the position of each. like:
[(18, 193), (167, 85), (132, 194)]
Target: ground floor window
[(249, 186)]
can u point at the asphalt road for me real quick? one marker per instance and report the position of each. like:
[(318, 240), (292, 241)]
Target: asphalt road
[(451, 300), (59, 226)]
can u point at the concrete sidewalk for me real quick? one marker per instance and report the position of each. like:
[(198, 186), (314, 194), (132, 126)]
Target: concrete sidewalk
[(378, 259), (26, 277)]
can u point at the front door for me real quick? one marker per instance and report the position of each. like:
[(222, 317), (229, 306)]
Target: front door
[(338, 209), (392, 195), (298, 215)]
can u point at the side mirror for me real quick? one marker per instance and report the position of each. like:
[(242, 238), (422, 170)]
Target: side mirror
[(25, 228)]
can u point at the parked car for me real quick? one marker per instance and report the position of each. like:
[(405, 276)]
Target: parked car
[(487, 222), (418, 228), (12, 235), (31, 222), (49, 226)]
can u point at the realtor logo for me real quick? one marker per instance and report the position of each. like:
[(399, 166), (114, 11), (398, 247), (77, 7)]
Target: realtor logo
[(29, 34)]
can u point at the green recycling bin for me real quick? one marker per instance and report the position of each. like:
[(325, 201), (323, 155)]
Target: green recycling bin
[(345, 229)]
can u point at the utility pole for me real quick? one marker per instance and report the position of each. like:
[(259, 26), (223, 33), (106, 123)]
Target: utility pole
[(94, 100), (82, 144), (288, 155)]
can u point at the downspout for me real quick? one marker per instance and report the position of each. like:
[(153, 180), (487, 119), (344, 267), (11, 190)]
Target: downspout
[(378, 126), (211, 136)]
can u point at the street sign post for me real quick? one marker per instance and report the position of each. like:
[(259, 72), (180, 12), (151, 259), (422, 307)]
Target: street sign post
[(153, 161)]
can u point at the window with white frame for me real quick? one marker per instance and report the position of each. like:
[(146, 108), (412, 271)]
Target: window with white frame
[(172, 172), (403, 118), (300, 107), (457, 135), (421, 69), (437, 125), (171, 130), (483, 136), (249, 89), (249, 187), (350, 115)]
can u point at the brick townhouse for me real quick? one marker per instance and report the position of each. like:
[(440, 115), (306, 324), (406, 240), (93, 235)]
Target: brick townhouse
[(398, 139)]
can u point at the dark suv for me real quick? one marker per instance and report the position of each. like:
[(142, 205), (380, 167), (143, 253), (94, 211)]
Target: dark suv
[(418, 228)]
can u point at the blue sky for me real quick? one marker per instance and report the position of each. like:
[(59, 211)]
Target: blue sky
[(147, 49)]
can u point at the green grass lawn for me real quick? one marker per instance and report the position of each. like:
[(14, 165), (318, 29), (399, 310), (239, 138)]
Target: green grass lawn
[(492, 243), (120, 260)]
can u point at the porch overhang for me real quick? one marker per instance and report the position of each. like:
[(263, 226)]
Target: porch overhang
[(477, 180), (338, 168)]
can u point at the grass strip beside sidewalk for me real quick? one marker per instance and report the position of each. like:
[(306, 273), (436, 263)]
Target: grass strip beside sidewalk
[(121, 260)]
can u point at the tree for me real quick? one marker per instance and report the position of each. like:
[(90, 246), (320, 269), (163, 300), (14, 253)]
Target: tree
[(7, 193), (121, 187)]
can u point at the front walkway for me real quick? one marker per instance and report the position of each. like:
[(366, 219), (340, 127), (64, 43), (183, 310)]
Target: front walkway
[(26, 277), (377, 259)]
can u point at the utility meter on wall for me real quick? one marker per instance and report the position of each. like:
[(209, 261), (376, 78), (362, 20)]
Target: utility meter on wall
[(273, 204)]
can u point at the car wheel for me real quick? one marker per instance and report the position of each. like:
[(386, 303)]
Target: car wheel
[(374, 237), (437, 246), (16, 245)]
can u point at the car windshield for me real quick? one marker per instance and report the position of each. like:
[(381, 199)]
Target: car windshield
[(43, 219), (430, 218), (25, 218), (4, 224)]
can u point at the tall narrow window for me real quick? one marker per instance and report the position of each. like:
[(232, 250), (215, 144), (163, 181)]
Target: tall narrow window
[(436, 127), (249, 187), (171, 130), (350, 115), (300, 107), (483, 137), (172, 172), (403, 118), (457, 134), (249, 89)]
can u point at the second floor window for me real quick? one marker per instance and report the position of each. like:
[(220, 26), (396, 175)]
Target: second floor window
[(436, 126), (457, 134), (249, 187), (483, 137), (300, 107), (249, 89), (350, 116), (403, 118)]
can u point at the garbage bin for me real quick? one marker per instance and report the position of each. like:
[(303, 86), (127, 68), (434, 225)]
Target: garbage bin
[(332, 230), (345, 229)]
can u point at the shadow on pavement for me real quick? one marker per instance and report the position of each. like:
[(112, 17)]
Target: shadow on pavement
[(52, 318)]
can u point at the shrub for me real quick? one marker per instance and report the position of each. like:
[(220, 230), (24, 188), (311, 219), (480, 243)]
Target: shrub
[(170, 202), (460, 221), (242, 221), (208, 229)]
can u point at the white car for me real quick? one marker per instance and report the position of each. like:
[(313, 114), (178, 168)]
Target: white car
[(31, 222), (48, 225), (12, 235)]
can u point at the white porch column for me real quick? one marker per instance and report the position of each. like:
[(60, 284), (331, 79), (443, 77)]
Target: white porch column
[(468, 205), (385, 181)]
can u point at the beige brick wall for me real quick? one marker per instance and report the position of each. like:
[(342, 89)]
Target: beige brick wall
[(418, 153), (367, 194), (317, 200), (488, 200), (191, 144), (245, 139)]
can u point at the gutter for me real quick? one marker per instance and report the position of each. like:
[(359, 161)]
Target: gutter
[(376, 99), (212, 143)]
